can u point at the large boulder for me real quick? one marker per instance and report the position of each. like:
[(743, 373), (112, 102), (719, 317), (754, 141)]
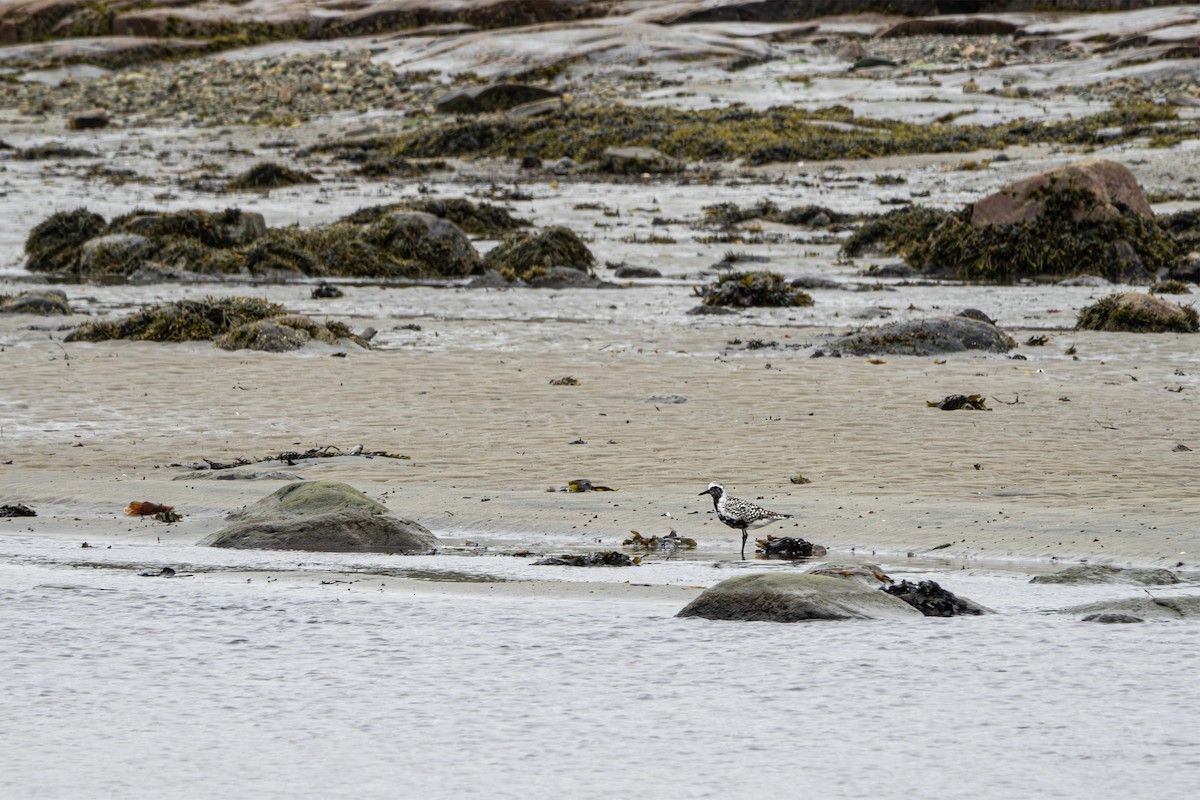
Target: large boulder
[(924, 337), (1137, 312), (1097, 573), (795, 597), (322, 515), (1111, 187)]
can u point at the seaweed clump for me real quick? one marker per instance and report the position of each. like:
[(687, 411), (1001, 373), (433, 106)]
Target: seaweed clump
[(55, 243), (527, 256), (380, 243), (180, 321), (746, 289), (1060, 242), (269, 175), (1136, 312), (478, 219)]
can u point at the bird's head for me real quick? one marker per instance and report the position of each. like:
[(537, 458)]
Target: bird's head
[(715, 489)]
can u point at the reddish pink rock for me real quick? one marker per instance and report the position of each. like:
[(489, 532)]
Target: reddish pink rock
[(1109, 182)]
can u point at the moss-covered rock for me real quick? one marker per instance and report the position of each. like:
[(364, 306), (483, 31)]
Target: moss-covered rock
[(287, 332), (36, 301), (1136, 312), (749, 289), (54, 245), (529, 256), (114, 254)]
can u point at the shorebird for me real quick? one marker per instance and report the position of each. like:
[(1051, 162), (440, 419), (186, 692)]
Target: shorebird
[(740, 514)]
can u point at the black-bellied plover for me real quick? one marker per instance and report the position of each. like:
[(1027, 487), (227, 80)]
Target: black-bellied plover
[(740, 514)]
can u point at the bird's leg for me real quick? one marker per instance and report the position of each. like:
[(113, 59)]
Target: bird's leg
[(744, 533)]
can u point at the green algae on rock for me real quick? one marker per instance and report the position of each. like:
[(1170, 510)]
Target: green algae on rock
[(1136, 312), (747, 289)]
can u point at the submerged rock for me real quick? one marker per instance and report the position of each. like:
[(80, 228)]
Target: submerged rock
[(1136, 312), (611, 558), (322, 515), (922, 338), (1098, 573), (1141, 608), (795, 597)]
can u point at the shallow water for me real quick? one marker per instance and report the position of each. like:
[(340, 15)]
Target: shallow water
[(119, 685)]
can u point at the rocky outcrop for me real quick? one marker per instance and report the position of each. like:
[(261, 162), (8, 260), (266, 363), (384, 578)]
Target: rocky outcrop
[(951, 26), (1096, 573), (924, 337), (322, 515)]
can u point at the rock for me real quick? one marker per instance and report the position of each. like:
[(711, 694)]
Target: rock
[(925, 337), (322, 515), (626, 271), (1110, 183), (88, 120), (760, 288), (285, 332), (1141, 608), (565, 278), (36, 301), (932, 600), (1091, 281), (638, 160), (611, 558), (532, 257), (266, 335), (230, 228), (1097, 573), (1137, 312), (665, 399), (701, 311), (437, 243), (811, 282), (114, 254), (950, 26), (237, 475), (490, 97), (793, 597), (789, 547), (17, 510), (1109, 619), (975, 313)]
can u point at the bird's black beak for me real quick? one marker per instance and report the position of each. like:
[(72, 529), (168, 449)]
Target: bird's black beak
[(706, 491)]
